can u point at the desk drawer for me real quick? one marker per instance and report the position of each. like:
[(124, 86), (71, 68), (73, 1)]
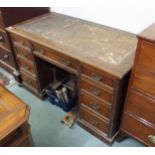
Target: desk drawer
[(94, 121), (96, 91), (23, 51), (97, 75), (57, 58), (97, 106), (27, 65), (138, 104), (4, 42), (29, 80), (141, 130), (144, 82), (21, 42)]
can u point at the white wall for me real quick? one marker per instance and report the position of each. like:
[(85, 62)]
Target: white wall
[(132, 19)]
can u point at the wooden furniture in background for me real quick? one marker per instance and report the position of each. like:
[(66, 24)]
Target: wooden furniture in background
[(138, 118), (21, 137), (99, 56), (10, 16), (14, 114)]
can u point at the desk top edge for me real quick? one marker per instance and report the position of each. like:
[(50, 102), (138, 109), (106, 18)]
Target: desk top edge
[(118, 73)]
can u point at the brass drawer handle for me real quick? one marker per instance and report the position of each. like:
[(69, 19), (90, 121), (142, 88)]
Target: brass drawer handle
[(6, 56), (24, 55), (151, 138), (1, 38), (30, 82), (94, 122), (27, 67), (95, 106), (96, 77), (41, 51), (21, 42), (96, 92), (66, 63)]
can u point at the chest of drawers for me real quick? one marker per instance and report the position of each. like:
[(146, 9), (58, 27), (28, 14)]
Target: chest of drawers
[(139, 112), (8, 17), (99, 56)]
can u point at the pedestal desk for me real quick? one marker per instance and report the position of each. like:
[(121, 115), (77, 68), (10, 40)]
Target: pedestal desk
[(101, 58)]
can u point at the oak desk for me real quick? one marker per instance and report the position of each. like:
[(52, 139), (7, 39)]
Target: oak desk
[(100, 57)]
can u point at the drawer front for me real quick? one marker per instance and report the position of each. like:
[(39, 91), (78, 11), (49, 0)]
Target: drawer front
[(28, 66), (29, 80), (7, 57), (21, 42), (97, 76), (138, 104), (97, 106), (54, 57), (2, 25), (146, 56), (144, 82), (94, 121), (96, 91), (139, 130), (23, 51), (4, 42)]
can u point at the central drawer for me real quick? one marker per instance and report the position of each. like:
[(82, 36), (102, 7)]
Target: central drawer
[(54, 57), (97, 90)]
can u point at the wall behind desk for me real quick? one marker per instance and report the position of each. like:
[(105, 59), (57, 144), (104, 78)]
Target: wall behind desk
[(131, 19)]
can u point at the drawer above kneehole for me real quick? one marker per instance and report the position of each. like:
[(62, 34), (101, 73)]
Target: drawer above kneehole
[(56, 58)]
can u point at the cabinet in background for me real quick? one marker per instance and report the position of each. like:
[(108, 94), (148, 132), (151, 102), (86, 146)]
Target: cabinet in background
[(138, 118)]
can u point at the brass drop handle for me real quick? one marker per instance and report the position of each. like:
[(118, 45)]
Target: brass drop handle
[(151, 138), (96, 77), (94, 122), (27, 67), (95, 106), (1, 38), (41, 51), (24, 55), (66, 63), (21, 42), (6, 56), (96, 92), (30, 82)]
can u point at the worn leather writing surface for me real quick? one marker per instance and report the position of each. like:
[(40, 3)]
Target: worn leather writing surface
[(106, 48)]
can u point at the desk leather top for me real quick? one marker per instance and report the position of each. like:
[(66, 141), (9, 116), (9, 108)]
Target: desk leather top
[(103, 47)]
